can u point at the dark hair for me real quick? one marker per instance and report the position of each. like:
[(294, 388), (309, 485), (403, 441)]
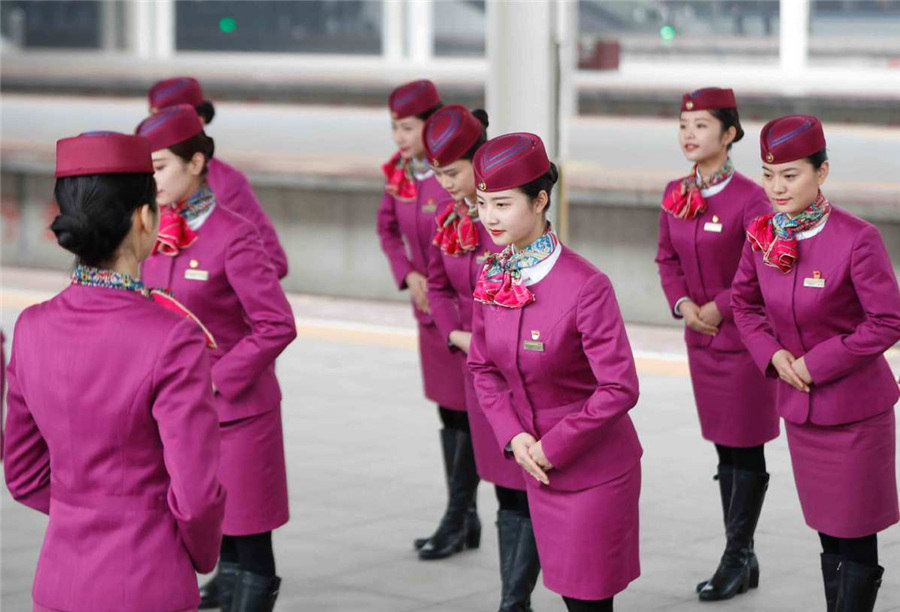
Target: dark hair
[(206, 110), (544, 182), (424, 115), (482, 116), (200, 143), (95, 212), (818, 158), (728, 117)]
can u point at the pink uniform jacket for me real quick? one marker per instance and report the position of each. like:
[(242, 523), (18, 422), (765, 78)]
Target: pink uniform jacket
[(451, 283), (406, 229), (234, 192), (575, 393), (698, 258), (112, 431), (225, 280), (839, 307)]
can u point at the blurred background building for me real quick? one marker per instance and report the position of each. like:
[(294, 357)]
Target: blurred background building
[(300, 89)]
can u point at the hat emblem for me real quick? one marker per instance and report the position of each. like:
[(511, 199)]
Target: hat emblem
[(769, 157), (482, 185), (436, 163), (689, 105)]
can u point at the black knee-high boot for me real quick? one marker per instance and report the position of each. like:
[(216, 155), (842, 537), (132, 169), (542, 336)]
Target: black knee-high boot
[(448, 446), (519, 564), (733, 575), (831, 578), (217, 591), (858, 587), (254, 593), (458, 530)]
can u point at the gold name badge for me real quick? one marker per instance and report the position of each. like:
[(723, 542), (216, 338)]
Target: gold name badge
[(816, 281), (197, 275), (481, 258), (430, 206), (533, 344), (713, 226)]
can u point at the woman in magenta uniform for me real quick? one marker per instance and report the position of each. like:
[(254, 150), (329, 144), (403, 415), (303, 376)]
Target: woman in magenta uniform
[(555, 377), (122, 449), (460, 246), (701, 234), (406, 222), (213, 260), (817, 304), (230, 184)]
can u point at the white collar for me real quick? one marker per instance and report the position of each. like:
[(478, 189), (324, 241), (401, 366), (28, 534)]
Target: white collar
[(200, 219), (818, 227), (537, 272), (715, 188)]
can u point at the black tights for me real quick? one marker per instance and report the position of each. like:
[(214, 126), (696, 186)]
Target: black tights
[(582, 605), (859, 550), (512, 500), (454, 419), (252, 552), (752, 459)]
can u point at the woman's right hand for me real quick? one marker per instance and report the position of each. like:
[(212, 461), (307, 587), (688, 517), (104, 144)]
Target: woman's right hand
[(418, 289), (783, 362), (520, 445), (691, 313), (461, 340)]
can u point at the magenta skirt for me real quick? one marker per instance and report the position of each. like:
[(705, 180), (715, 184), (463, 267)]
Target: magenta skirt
[(442, 370), (493, 464), (588, 540), (735, 402), (253, 473), (846, 475)]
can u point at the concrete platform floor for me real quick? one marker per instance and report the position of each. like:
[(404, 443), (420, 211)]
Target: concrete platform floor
[(365, 479)]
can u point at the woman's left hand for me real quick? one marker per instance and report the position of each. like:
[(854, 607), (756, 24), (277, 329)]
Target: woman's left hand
[(709, 314), (536, 451), (799, 366)]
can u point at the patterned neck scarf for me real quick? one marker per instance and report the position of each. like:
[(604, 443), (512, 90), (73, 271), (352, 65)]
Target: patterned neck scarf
[(174, 232), (456, 230), (501, 278), (90, 276), (686, 201), (775, 234), (398, 180)]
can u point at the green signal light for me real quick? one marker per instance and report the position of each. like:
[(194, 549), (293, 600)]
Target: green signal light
[(228, 24), (667, 33)]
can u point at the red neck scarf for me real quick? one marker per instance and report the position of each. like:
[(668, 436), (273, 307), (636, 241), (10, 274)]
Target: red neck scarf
[(774, 234), (174, 232), (456, 231), (397, 179), (686, 201)]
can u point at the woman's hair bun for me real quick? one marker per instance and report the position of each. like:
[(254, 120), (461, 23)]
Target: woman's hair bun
[(74, 233), (481, 115), (553, 173)]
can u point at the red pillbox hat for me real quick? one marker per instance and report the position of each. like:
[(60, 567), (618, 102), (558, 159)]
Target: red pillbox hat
[(449, 133), (102, 153), (510, 161), (413, 98), (180, 90), (709, 98), (170, 126), (790, 138)]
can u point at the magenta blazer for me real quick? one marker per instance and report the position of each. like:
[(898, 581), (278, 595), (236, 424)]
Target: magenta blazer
[(406, 229), (697, 262), (233, 191), (224, 278), (575, 393), (451, 283), (839, 307), (112, 431)]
